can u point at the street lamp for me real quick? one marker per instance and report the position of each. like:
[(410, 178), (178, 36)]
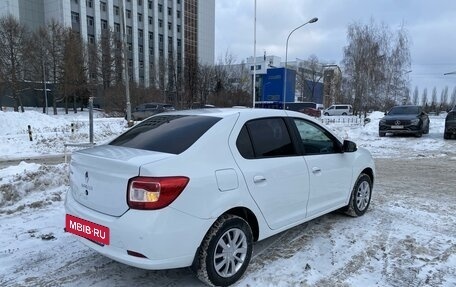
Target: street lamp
[(313, 20), (450, 73)]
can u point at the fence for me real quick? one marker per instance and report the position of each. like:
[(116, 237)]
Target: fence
[(345, 120)]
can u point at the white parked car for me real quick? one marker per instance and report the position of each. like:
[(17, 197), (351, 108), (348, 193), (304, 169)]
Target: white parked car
[(198, 187), (338, 110)]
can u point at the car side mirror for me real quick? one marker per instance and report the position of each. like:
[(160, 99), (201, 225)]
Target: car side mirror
[(386, 113), (349, 146)]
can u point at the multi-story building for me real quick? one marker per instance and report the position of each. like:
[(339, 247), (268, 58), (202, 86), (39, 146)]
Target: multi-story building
[(156, 30)]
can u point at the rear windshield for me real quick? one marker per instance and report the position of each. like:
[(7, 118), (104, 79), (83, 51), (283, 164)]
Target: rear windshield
[(404, 111), (166, 133)]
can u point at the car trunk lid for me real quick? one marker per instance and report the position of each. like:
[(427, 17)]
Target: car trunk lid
[(99, 176)]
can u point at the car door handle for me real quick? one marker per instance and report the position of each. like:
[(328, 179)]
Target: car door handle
[(258, 179), (316, 170)]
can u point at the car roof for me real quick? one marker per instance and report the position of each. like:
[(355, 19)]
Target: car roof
[(226, 112)]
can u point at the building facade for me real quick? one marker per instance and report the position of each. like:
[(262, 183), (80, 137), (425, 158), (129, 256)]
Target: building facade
[(156, 30)]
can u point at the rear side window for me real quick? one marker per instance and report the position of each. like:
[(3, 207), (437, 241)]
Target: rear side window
[(166, 133), (267, 137)]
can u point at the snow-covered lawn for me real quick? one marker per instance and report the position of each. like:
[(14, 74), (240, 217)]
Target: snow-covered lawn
[(407, 238)]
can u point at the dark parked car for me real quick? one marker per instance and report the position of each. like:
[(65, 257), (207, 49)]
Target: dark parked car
[(404, 120), (311, 112), (450, 124), (149, 109)]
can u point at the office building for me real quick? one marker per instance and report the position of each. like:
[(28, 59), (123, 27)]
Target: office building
[(156, 30)]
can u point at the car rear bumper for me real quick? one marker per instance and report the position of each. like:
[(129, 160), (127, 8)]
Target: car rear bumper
[(167, 238)]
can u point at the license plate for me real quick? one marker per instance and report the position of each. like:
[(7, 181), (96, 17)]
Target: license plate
[(397, 127), (87, 229)]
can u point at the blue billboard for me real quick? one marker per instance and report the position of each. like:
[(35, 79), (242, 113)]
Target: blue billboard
[(273, 85)]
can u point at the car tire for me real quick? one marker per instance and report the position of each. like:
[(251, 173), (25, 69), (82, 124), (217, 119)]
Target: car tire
[(344, 114), (209, 264), (381, 134), (427, 130), (418, 134), (446, 136), (360, 197), (326, 114)]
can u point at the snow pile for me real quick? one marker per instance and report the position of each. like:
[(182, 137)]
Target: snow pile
[(30, 185), (51, 132)]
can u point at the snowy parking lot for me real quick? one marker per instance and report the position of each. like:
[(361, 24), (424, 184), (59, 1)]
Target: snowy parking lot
[(407, 237)]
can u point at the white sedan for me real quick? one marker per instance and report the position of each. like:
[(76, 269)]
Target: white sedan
[(198, 187)]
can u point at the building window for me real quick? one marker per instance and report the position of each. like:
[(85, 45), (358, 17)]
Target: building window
[(150, 20), (179, 42), (130, 47), (151, 35), (140, 33), (75, 1), (178, 14), (75, 17), (170, 41), (140, 49), (160, 8), (89, 3), (129, 30), (151, 52), (128, 14), (160, 23), (150, 5), (91, 39), (89, 21), (103, 6), (139, 2), (139, 17), (169, 11), (104, 24), (116, 10), (178, 28), (160, 38), (117, 27), (169, 26), (178, 1)]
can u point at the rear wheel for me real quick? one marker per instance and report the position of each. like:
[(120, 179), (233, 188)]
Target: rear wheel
[(225, 251), (360, 197), (344, 114), (326, 114), (446, 136), (381, 134), (418, 134)]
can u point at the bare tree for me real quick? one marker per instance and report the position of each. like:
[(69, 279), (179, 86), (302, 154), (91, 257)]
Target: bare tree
[(74, 82), (434, 99), (415, 95), (444, 99), (55, 50), (424, 98), (374, 63), (13, 36), (453, 98), (311, 76)]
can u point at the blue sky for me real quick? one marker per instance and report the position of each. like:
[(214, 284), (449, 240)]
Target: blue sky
[(431, 27)]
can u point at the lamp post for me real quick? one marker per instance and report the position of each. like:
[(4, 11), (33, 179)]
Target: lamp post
[(313, 20), (254, 57)]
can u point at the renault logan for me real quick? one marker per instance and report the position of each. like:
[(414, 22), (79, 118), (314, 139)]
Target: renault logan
[(198, 187)]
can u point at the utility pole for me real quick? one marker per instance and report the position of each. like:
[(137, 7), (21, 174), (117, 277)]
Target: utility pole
[(125, 56)]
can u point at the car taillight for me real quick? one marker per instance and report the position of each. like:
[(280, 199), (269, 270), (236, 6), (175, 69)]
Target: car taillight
[(154, 192)]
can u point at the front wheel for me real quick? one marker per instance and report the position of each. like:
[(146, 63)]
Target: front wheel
[(326, 114), (225, 251), (360, 197)]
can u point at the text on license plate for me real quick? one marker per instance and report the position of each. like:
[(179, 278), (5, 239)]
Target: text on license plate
[(397, 127), (87, 229)]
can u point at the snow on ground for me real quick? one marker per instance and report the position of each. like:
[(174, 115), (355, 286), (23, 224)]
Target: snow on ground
[(406, 239)]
